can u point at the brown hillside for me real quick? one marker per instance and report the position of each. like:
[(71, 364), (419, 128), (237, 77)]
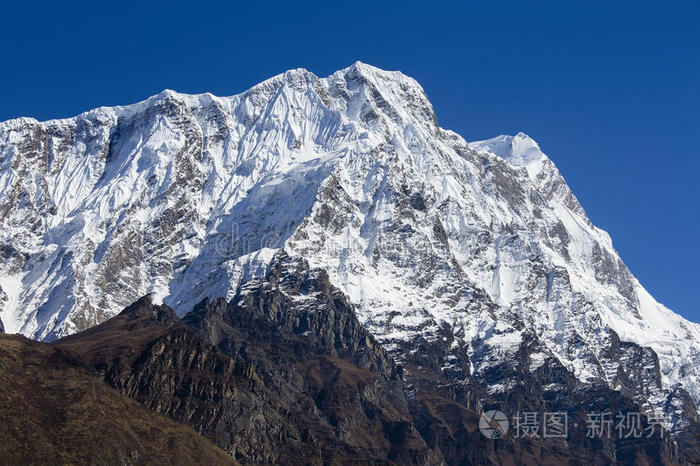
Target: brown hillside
[(53, 412)]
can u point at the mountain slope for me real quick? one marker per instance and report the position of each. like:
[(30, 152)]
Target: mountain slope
[(433, 240), (284, 373), (54, 412), (267, 379)]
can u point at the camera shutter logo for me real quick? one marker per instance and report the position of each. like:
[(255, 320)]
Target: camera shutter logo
[(493, 424)]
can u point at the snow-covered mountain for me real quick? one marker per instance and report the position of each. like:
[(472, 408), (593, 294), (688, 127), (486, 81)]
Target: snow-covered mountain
[(481, 245)]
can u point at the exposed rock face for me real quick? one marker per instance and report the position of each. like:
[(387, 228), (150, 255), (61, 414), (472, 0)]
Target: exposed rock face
[(466, 256), (54, 412), (440, 398), (285, 373)]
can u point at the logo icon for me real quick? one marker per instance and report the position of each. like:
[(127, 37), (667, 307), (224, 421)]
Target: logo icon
[(493, 424)]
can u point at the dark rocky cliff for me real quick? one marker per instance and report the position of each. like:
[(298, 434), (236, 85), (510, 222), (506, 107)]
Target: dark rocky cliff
[(284, 373)]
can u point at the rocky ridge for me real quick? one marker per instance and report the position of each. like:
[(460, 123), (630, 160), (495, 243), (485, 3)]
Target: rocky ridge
[(285, 373)]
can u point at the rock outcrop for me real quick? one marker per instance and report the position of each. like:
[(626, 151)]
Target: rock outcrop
[(285, 373)]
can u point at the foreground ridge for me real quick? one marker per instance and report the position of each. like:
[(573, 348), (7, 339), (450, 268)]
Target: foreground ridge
[(54, 412), (284, 373)]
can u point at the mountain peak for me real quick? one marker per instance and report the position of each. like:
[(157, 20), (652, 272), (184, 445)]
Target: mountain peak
[(366, 68), (519, 150)]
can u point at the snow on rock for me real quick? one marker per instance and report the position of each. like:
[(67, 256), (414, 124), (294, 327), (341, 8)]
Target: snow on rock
[(189, 196)]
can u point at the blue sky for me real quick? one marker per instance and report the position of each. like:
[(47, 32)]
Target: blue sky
[(610, 90)]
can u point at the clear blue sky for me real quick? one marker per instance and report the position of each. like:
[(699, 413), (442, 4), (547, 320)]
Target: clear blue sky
[(610, 90)]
